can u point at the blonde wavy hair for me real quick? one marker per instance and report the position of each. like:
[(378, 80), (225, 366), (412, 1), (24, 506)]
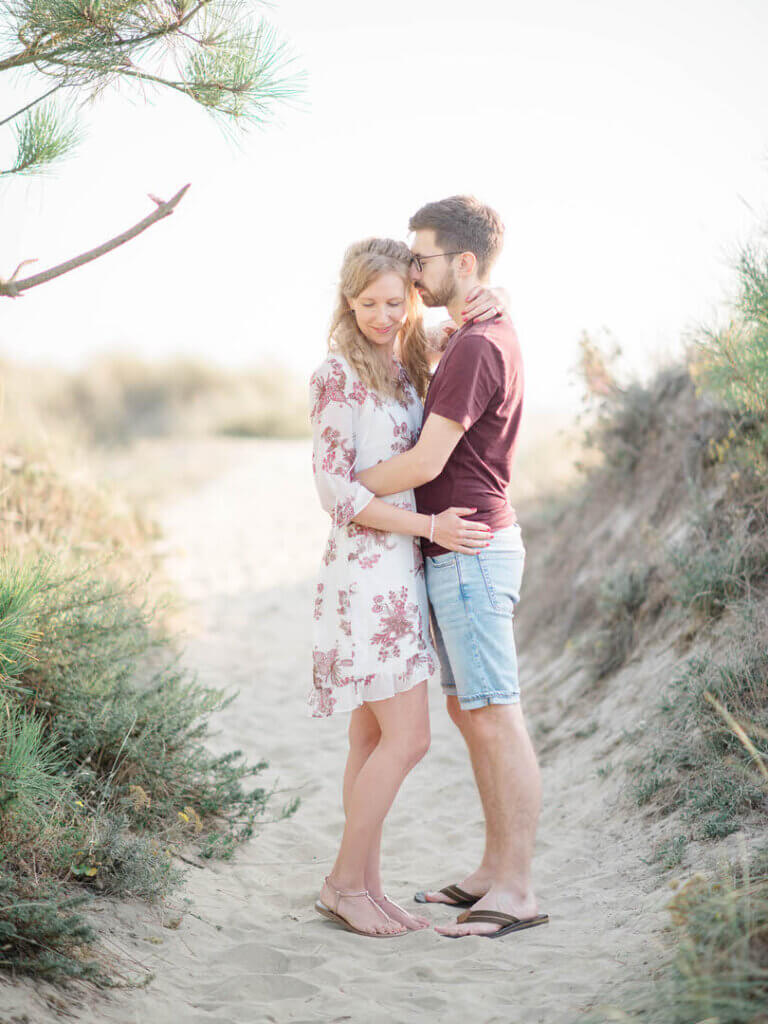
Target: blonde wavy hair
[(363, 262)]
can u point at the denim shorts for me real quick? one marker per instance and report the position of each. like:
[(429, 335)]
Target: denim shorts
[(473, 599)]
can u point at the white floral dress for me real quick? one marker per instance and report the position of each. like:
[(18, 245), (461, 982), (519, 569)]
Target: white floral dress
[(371, 625)]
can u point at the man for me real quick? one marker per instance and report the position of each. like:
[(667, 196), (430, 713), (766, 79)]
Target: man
[(464, 458)]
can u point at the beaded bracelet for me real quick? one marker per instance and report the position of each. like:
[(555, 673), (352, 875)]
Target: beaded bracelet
[(431, 529)]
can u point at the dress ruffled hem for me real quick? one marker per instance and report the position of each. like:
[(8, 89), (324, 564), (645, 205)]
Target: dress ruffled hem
[(327, 701)]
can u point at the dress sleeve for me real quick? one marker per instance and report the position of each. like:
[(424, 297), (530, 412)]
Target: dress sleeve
[(333, 447)]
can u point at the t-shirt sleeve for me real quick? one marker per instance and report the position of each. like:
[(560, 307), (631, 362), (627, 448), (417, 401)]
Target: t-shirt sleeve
[(333, 450), (471, 377)]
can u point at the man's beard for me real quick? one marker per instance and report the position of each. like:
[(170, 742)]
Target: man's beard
[(443, 293)]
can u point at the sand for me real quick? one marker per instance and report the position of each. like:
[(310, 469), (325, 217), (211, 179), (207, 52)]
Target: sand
[(242, 550)]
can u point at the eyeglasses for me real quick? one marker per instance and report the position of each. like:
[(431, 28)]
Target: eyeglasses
[(419, 260)]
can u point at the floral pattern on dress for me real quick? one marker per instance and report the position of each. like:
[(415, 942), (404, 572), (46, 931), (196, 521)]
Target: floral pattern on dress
[(366, 541), (329, 554), (318, 601), (370, 628), (327, 389), (398, 618), (339, 456), (328, 666), (342, 610), (360, 393), (405, 436)]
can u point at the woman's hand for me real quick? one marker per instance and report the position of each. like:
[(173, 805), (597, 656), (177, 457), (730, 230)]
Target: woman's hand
[(484, 303), (457, 534)]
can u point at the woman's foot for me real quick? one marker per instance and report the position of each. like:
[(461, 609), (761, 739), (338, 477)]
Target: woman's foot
[(413, 922), (476, 884), (360, 911)]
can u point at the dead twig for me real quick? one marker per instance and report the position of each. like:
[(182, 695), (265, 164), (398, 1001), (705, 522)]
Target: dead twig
[(13, 288)]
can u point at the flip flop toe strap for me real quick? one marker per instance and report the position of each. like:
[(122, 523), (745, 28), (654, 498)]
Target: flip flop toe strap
[(487, 917), (458, 895)]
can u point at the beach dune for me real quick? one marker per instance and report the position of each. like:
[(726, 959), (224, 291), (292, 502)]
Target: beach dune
[(243, 551)]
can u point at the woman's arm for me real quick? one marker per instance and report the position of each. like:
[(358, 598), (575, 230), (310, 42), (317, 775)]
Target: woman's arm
[(450, 530)]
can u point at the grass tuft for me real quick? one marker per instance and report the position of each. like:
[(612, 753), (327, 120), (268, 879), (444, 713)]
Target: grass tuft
[(697, 764)]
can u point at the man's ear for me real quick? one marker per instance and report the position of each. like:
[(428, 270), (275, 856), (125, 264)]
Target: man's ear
[(466, 264)]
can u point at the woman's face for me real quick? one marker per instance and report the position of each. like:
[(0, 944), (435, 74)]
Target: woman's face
[(380, 308)]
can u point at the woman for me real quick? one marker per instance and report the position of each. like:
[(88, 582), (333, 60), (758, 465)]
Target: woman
[(372, 650)]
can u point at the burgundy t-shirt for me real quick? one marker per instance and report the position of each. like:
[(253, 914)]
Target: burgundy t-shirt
[(479, 384)]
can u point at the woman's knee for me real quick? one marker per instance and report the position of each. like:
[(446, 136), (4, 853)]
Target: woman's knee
[(415, 744), (364, 733), (422, 741)]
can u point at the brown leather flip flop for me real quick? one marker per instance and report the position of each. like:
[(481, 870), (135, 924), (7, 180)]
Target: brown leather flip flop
[(507, 922), (460, 897)]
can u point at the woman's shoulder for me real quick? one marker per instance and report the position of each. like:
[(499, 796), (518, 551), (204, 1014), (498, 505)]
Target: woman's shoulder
[(334, 366), (333, 383)]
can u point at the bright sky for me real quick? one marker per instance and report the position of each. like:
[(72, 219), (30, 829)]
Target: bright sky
[(624, 145)]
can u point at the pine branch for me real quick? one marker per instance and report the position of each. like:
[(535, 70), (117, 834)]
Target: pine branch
[(11, 117), (41, 138), (37, 51), (13, 289)]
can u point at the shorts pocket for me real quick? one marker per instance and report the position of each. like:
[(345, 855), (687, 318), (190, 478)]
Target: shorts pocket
[(443, 561), (502, 575)]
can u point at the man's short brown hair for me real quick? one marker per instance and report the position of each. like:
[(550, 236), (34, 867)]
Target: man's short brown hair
[(464, 224)]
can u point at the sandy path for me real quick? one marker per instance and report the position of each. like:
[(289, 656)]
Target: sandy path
[(245, 549)]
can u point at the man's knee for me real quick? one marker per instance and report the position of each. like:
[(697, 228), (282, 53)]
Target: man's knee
[(492, 721), (455, 713)]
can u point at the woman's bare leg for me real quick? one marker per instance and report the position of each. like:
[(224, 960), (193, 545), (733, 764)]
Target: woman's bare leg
[(403, 721), (364, 735)]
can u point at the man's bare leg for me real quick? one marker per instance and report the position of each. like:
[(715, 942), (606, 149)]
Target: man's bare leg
[(508, 779), (478, 882)]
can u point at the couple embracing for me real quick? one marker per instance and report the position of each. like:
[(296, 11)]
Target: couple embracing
[(413, 468)]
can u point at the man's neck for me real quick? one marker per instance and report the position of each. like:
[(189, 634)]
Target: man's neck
[(459, 301)]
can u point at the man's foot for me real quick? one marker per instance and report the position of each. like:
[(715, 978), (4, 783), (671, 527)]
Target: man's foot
[(413, 922), (360, 911), (499, 900), (476, 884)]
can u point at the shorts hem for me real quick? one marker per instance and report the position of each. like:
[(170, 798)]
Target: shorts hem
[(484, 699)]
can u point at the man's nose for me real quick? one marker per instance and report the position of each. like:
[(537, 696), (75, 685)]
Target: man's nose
[(413, 273)]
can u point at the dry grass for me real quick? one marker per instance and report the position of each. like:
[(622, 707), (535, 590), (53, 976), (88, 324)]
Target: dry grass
[(118, 398)]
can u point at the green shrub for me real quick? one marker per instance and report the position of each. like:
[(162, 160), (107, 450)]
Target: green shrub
[(621, 596), (104, 769), (623, 419), (40, 931), (732, 364), (697, 764), (723, 561), (717, 970)]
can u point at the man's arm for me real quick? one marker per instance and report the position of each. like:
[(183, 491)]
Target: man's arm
[(424, 462)]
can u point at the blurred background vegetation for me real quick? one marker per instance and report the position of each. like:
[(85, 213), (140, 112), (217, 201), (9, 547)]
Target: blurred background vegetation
[(654, 583)]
